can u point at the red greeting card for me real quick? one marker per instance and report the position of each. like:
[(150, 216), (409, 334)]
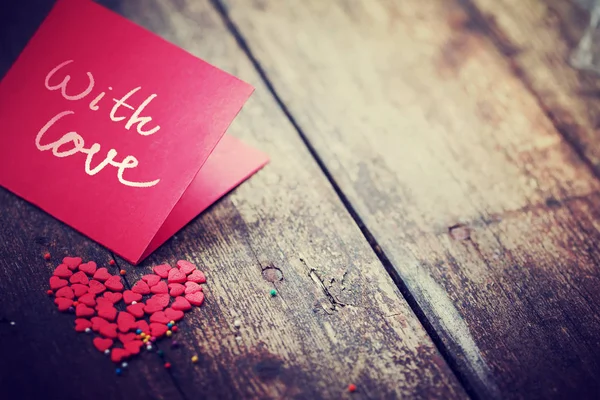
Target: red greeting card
[(111, 129)]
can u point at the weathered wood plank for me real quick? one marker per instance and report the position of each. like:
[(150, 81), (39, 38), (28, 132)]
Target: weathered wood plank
[(456, 171), (338, 317), (543, 35)]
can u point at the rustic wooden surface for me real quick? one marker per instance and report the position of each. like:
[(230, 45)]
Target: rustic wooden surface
[(460, 152), (429, 217), (338, 317)]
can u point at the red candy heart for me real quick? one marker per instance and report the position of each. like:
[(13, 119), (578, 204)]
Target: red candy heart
[(152, 308), (160, 287), (125, 321), (176, 289), (141, 287), (79, 289), (63, 303), (176, 276), (118, 354), (62, 271), (143, 325), (173, 315), (162, 299), (197, 276), (195, 299), (134, 346), (186, 267), (137, 310), (57, 283), (114, 283), (157, 329), (65, 292), (129, 297), (102, 344), (72, 262), (102, 274), (96, 287), (81, 324), (88, 299), (89, 268), (108, 330), (79, 277), (113, 297), (151, 279), (108, 312), (159, 317), (97, 323), (181, 304), (162, 270), (192, 287), (84, 311), (126, 337)]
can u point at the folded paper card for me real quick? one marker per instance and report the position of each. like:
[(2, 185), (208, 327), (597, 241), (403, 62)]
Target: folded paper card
[(111, 129)]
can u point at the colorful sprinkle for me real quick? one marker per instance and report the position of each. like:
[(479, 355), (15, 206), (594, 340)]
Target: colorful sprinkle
[(88, 330), (47, 256), (112, 262), (167, 365), (107, 351), (138, 331), (194, 359), (169, 333), (124, 365), (352, 388), (118, 371), (273, 292), (174, 328), (149, 347), (122, 272), (237, 323), (12, 323), (49, 292), (160, 353)]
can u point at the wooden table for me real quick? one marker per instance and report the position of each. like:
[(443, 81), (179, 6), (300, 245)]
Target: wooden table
[(430, 216)]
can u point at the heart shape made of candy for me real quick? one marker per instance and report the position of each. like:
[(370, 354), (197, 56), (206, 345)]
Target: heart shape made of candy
[(122, 319)]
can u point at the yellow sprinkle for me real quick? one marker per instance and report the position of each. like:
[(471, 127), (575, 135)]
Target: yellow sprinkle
[(172, 322), (169, 333), (145, 340), (194, 359)]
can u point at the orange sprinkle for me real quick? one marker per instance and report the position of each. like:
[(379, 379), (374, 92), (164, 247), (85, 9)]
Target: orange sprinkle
[(122, 272)]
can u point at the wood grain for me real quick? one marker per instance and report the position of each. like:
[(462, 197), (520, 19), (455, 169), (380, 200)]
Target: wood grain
[(338, 318), (544, 34), (456, 170)]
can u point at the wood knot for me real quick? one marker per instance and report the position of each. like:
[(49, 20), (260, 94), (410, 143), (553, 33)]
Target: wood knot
[(459, 232)]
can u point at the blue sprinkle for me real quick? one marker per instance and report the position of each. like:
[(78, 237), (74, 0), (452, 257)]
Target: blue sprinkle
[(138, 331), (169, 325), (118, 371)]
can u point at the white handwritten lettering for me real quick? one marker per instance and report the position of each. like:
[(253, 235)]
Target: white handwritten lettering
[(79, 147)]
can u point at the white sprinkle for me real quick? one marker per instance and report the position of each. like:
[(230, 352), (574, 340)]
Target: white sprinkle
[(124, 365), (107, 351), (238, 338), (13, 323), (133, 302), (87, 330), (237, 323), (149, 347)]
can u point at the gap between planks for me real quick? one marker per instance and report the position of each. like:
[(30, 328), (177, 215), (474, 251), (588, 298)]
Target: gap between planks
[(415, 307)]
